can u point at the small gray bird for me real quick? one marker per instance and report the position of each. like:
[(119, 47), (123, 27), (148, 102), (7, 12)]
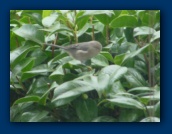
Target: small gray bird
[(82, 51)]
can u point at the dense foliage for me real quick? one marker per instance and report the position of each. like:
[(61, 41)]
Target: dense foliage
[(121, 84)]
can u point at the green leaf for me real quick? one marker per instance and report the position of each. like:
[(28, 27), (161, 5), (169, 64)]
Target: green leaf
[(24, 65), (99, 60), (34, 116), (99, 83), (64, 30), (52, 28), (104, 119), (138, 90), (143, 31), (30, 32), (46, 13), (58, 72), (157, 109), (59, 57), (49, 20), (39, 56), (115, 72), (129, 34), (123, 58), (150, 119), (39, 86), (70, 90), (86, 110), (45, 95), (83, 30), (98, 12), (134, 78), (106, 77), (13, 38), (20, 53), (126, 102), (130, 115), (155, 36), (27, 99), (39, 70), (35, 16), (124, 21), (117, 87), (81, 21), (104, 18), (107, 55)]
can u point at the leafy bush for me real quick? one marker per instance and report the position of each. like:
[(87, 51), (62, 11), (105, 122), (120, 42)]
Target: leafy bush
[(121, 84)]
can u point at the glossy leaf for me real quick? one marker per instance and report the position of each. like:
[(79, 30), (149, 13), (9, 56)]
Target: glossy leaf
[(150, 119), (86, 110), (34, 116), (30, 32), (20, 53), (134, 78), (130, 115), (114, 71), (27, 99), (97, 12), (39, 70), (140, 90), (35, 16), (104, 119), (122, 59), (126, 102), (155, 36), (99, 60), (24, 65), (107, 55), (49, 20), (124, 21), (143, 31), (157, 109), (70, 90), (104, 18), (46, 13)]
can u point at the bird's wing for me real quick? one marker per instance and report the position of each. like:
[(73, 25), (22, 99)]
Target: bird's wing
[(78, 46)]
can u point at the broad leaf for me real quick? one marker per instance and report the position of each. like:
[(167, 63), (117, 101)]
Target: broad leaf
[(49, 20), (27, 99), (30, 32), (86, 110), (70, 90), (20, 53), (126, 102), (150, 119), (34, 116), (99, 60), (104, 119), (123, 58), (39, 70), (124, 21), (134, 78), (143, 31)]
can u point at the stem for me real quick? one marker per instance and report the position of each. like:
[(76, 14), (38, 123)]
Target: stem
[(17, 42), (53, 48), (91, 21), (75, 36), (93, 37), (147, 62), (64, 71), (107, 34), (29, 20), (21, 83)]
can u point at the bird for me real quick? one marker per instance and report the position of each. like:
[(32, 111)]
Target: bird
[(81, 51)]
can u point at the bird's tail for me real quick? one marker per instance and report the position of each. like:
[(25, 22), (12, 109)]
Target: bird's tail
[(57, 46)]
